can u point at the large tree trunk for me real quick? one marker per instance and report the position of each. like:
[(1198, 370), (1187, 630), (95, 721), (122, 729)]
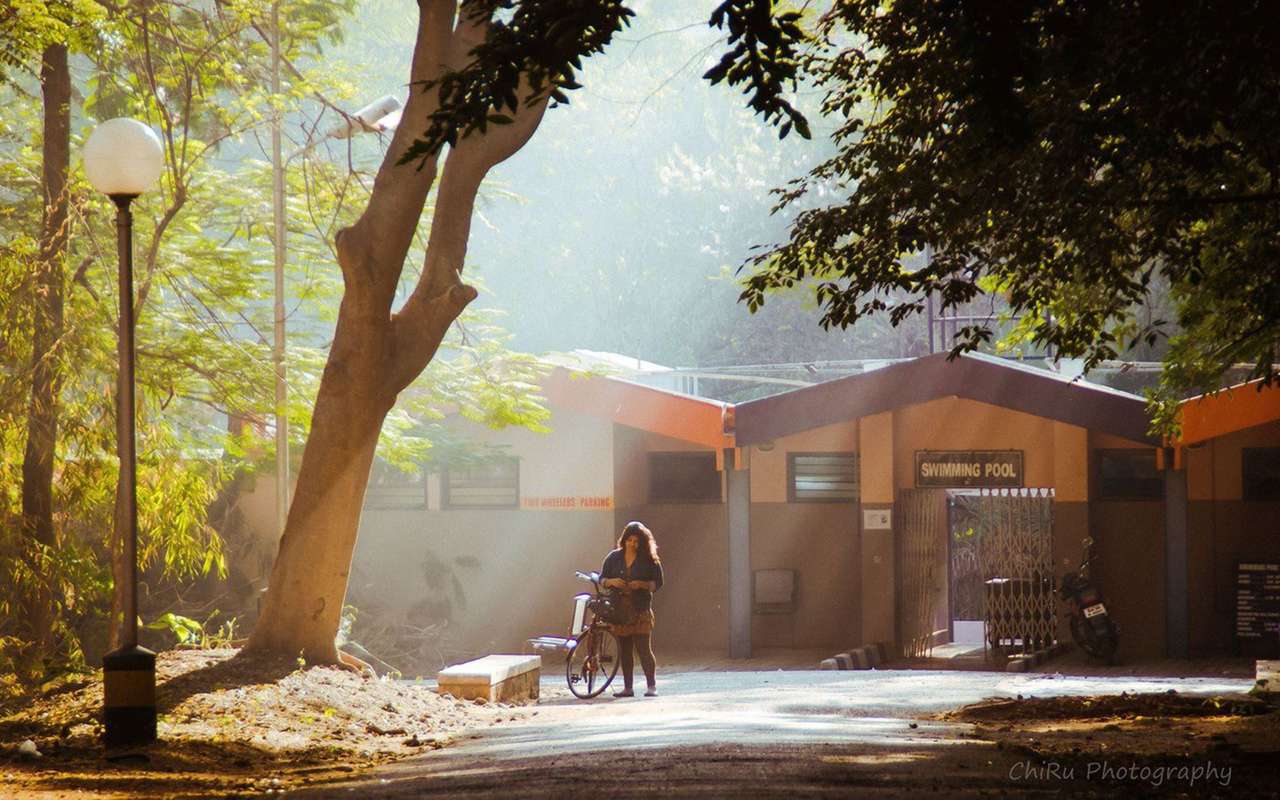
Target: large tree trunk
[(42, 413), (377, 353), (309, 580)]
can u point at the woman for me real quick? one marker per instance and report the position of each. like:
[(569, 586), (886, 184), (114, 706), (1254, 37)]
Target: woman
[(635, 571)]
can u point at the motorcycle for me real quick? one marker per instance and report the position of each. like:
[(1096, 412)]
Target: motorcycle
[(1092, 626)]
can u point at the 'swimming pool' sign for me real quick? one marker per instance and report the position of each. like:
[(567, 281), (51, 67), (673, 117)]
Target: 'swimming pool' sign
[(962, 469)]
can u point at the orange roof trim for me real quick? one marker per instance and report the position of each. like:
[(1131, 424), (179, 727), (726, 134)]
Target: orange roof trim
[(1233, 409), (679, 416)]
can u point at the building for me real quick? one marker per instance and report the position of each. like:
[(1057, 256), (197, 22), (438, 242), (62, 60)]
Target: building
[(845, 512)]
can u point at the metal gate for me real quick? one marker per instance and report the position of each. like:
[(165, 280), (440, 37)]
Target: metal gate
[(1015, 550), (921, 556)]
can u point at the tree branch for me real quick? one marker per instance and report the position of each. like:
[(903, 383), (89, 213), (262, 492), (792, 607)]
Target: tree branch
[(440, 295), (372, 251)]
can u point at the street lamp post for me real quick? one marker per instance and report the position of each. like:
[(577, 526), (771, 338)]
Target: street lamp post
[(123, 158)]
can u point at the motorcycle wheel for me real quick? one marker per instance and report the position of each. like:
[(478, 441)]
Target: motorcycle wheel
[(1089, 639)]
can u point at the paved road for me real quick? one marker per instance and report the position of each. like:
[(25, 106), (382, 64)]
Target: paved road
[(748, 733)]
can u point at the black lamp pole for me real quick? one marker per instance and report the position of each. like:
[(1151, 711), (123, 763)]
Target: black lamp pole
[(129, 673)]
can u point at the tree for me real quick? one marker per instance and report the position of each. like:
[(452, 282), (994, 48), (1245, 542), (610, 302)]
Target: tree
[(486, 72), (61, 327), (48, 30), (1067, 155)]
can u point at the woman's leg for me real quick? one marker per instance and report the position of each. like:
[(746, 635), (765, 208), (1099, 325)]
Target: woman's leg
[(643, 645), (625, 643)]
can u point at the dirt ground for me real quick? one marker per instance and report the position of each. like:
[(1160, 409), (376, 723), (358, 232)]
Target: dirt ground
[(1240, 734), (231, 726), (239, 727)]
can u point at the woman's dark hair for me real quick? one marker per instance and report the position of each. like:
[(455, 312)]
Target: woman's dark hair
[(647, 544)]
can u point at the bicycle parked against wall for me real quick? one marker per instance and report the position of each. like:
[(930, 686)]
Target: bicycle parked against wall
[(592, 649)]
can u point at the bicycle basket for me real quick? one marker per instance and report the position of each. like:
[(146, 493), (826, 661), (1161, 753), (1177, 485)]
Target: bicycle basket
[(607, 609)]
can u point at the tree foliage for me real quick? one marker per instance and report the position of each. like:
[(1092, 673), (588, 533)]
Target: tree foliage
[(1066, 155), (534, 49), (202, 280)]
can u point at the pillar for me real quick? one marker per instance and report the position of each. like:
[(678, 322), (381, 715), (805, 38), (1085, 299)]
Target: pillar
[(875, 464), (738, 501), (1176, 610)]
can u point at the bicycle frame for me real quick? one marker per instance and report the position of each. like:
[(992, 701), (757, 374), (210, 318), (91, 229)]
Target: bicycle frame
[(590, 648)]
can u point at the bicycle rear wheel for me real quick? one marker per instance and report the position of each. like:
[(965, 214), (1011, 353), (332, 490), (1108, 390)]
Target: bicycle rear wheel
[(592, 664)]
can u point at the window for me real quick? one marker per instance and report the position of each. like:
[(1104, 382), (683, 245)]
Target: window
[(1129, 475), (683, 478), (1260, 469), (391, 487), (822, 477), (493, 484)]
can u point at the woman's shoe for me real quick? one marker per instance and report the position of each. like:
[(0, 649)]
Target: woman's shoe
[(652, 691), (624, 693)]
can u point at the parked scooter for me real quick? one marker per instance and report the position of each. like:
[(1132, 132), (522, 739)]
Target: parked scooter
[(1092, 627)]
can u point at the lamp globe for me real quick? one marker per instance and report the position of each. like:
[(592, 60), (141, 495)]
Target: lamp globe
[(123, 157)]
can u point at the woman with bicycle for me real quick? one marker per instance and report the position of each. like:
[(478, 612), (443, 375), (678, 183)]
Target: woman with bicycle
[(634, 572)]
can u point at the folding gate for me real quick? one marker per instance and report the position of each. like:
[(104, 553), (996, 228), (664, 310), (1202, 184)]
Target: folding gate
[(1015, 554), (1014, 539), (921, 555)]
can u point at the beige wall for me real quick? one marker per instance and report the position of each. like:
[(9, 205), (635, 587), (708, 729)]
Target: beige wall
[(957, 424), (692, 608), (769, 468), (1214, 469), (521, 583), (572, 459), (1130, 571), (1129, 539), (1223, 528), (820, 542)]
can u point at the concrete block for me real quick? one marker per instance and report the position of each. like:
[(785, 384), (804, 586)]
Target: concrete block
[(1016, 665), (875, 656), (860, 658), (828, 663), (883, 649), (844, 660), (496, 678)]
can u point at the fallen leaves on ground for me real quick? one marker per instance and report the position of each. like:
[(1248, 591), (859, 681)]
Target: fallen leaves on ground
[(229, 724)]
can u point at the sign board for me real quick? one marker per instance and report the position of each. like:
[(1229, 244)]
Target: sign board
[(1257, 599), (877, 519), (566, 503), (961, 469)]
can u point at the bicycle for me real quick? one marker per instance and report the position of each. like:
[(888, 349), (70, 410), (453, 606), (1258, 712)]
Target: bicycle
[(592, 650), (592, 662)]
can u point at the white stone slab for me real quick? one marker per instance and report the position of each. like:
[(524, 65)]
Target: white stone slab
[(488, 670)]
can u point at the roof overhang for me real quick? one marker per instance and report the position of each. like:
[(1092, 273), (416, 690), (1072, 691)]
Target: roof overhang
[(678, 416), (985, 379), (1245, 405)]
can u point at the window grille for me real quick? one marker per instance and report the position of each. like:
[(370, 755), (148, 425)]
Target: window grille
[(822, 478), (494, 484), (391, 487)]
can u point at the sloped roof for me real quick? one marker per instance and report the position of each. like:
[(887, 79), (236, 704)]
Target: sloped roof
[(1233, 409), (977, 377), (679, 416)]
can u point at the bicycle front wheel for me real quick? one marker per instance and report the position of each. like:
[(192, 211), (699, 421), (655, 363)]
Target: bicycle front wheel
[(593, 662)]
